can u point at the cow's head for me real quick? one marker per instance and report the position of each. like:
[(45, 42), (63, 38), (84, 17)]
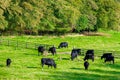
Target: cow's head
[(59, 46), (72, 58), (55, 66), (102, 57), (84, 58), (49, 50)]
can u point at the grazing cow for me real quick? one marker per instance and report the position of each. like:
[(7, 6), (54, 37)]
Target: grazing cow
[(75, 53), (105, 55), (41, 50), (89, 55), (86, 65), (108, 57), (77, 50), (52, 50), (48, 61), (63, 44), (8, 62)]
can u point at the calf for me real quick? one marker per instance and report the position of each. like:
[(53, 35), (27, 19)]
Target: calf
[(8, 62), (52, 50), (48, 61), (89, 55), (41, 50), (86, 65), (108, 57), (75, 53), (63, 44)]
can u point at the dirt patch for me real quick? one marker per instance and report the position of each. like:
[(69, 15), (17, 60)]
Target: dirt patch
[(74, 35), (95, 34), (87, 34)]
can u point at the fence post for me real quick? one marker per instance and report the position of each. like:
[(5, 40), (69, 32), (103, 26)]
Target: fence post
[(35, 46), (8, 43), (0, 41), (26, 45), (17, 44)]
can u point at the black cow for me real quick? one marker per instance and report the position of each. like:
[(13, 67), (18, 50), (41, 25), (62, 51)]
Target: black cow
[(63, 44), (77, 50), (52, 50), (89, 55), (108, 57), (8, 62), (48, 61), (86, 65), (75, 53), (41, 50), (105, 55)]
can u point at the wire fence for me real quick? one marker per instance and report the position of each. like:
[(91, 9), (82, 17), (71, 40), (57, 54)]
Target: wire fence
[(30, 45), (20, 44), (99, 53)]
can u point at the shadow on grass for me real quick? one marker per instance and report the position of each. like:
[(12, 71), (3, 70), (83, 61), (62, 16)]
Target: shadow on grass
[(106, 72), (32, 67), (1, 65), (114, 66), (31, 54), (76, 68), (59, 75), (65, 58)]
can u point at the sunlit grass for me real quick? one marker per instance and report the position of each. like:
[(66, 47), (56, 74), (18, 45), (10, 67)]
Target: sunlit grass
[(26, 64)]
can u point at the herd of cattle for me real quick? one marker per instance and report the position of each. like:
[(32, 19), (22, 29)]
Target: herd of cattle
[(74, 53)]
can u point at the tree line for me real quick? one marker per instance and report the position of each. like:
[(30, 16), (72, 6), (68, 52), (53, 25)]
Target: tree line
[(58, 16)]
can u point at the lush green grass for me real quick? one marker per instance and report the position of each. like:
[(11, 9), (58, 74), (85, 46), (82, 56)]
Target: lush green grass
[(26, 63), (111, 41)]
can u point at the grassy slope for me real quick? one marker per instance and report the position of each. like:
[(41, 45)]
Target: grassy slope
[(26, 63), (109, 42)]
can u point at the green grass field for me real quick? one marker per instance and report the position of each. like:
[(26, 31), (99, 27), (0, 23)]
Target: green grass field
[(26, 64)]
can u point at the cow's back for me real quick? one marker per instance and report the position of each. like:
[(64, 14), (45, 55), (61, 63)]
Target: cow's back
[(47, 61), (90, 52), (41, 49), (63, 44)]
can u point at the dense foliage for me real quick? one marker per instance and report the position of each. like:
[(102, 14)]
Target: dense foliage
[(35, 16)]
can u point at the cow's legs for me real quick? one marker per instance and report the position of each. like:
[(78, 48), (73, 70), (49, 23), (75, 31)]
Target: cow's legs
[(104, 61), (92, 59), (48, 66), (42, 65), (41, 53), (38, 54), (85, 68), (113, 61), (53, 53)]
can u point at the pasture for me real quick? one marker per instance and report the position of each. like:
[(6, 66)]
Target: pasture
[(26, 62)]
